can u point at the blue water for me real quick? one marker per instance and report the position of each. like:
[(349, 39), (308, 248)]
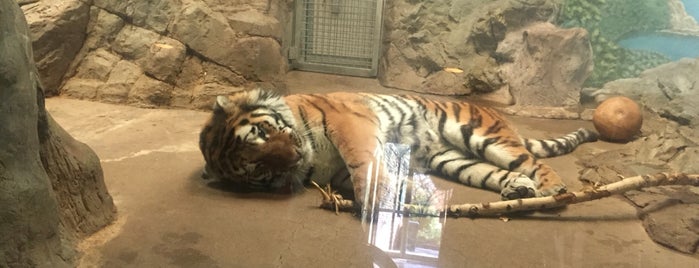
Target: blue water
[(673, 46), (692, 7)]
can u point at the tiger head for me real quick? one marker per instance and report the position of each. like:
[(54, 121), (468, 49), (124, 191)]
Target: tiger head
[(250, 141)]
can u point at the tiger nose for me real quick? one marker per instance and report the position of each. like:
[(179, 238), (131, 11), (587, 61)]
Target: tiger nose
[(295, 158)]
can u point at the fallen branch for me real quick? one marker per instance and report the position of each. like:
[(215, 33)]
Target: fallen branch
[(331, 200), (529, 204)]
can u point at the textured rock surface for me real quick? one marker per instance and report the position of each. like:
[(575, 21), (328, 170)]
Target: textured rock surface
[(243, 44), (29, 239), (670, 213), (669, 142), (545, 65), (670, 90), (59, 26), (160, 53), (425, 37), (51, 186)]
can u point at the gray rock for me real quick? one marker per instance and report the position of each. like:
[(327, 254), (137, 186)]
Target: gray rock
[(670, 90), (422, 38), (134, 42), (396, 72), (195, 72), (675, 226), (51, 186), (548, 64), (29, 239), (205, 32), (235, 44), (254, 22), (164, 59), (149, 92), (57, 30), (154, 15), (264, 52), (102, 28), (82, 88), (182, 98), (120, 81), (96, 65)]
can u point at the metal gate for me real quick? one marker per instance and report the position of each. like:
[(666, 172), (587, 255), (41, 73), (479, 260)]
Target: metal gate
[(337, 36)]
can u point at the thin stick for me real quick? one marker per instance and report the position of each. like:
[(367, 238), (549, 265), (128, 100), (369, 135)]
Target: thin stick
[(333, 200), (530, 204), (538, 203)]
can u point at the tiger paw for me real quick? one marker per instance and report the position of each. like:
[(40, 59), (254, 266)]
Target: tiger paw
[(552, 190), (520, 187), (518, 192)]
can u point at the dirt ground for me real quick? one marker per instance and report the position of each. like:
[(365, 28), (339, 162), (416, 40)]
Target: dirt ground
[(170, 217)]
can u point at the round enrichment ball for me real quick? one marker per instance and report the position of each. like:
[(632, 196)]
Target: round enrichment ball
[(618, 119)]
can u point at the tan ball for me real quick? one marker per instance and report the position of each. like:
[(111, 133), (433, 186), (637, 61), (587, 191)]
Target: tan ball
[(618, 119)]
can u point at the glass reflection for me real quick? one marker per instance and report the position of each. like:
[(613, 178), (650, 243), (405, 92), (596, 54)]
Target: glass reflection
[(406, 223)]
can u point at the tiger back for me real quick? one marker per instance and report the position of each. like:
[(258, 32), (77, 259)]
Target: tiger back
[(263, 141)]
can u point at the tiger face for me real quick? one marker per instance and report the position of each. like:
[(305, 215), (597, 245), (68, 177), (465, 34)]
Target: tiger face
[(251, 144)]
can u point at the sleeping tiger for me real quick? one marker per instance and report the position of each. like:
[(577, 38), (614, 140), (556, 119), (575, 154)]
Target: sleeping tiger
[(262, 141)]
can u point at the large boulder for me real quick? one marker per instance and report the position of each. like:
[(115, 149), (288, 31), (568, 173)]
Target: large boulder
[(545, 65), (58, 32), (51, 186)]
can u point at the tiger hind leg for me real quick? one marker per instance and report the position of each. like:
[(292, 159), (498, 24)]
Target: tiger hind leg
[(495, 143), (507, 153), (472, 171)]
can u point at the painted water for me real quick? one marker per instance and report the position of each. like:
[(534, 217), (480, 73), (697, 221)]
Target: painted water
[(674, 46)]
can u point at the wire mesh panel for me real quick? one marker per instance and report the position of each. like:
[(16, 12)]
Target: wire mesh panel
[(338, 36)]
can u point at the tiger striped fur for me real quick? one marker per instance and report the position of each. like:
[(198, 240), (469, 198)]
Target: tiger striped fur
[(263, 141)]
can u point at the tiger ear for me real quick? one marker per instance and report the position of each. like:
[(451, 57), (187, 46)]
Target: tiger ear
[(221, 103)]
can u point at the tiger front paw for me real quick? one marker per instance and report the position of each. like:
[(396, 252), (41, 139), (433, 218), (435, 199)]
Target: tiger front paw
[(520, 187), (552, 190), (518, 192)]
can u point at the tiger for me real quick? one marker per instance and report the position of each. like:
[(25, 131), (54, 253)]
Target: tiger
[(262, 141)]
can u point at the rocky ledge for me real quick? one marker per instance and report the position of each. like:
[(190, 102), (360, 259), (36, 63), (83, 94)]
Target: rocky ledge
[(176, 53)]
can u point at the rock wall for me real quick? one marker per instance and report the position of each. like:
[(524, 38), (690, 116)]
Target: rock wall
[(177, 53), (181, 53), (424, 37)]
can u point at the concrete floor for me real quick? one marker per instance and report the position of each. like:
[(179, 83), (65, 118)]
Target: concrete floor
[(170, 217)]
